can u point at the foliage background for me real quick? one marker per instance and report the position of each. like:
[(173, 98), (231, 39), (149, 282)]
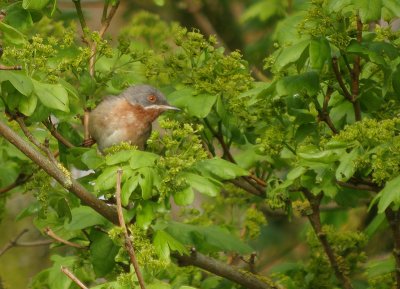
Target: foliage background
[(314, 131)]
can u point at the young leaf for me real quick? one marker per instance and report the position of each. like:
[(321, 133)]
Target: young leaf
[(164, 242), (52, 95), (221, 168), (196, 105), (83, 217), (202, 184), (347, 168), (145, 215), (211, 238), (320, 52), (291, 54), (34, 4), (11, 34), (102, 253), (140, 159), (18, 79), (27, 105), (184, 197), (390, 194)]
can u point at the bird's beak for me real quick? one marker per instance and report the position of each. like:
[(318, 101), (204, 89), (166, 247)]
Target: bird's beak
[(162, 107), (170, 107)]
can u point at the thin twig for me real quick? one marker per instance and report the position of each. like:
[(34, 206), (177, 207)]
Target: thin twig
[(194, 8), (21, 179), (86, 134), (128, 243), (339, 78), (49, 232), (81, 17), (323, 115), (71, 276), (13, 242), (43, 147), (15, 67), (359, 186), (54, 132), (315, 222), (393, 218), (105, 24), (255, 182), (355, 75)]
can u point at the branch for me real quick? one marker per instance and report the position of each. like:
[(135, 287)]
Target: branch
[(194, 8), (49, 232), (58, 174), (81, 18), (315, 221), (15, 67), (393, 218), (13, 242), (71, 276), (355, 83), (359, 186), (324, 114), (257, 186), (246, 279), (243, 184), (128, 243), (50, 126), (339, 78), (103, 29), (21, 179)]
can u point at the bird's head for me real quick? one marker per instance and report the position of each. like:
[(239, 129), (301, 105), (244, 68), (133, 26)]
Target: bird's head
[(148, 97)]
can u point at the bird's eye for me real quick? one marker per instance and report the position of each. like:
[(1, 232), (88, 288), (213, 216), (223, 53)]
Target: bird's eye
[(152, 98)]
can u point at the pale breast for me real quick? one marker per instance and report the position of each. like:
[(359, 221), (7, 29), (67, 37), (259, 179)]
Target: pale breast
[(115, 120)]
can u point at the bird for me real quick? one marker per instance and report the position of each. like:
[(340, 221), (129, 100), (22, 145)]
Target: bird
[(127, 117)]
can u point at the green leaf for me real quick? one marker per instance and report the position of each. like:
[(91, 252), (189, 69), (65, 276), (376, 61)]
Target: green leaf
[(290, 54), (390, 194), (196, 105), (92, 159), (102, 253), (221, 168), (314, 155), (202, 184), (52, 95), (18, 79), (140, 159), (210, 238), (295, 173), (127, 189), (164, 242), (34, 4), (27, 105), (84, 217), (11, 34), (107, 179), (393, 6), (370, 10), (184, 197), (320, 53), (396, 81), (381, 267), (146, 215), (118, 157), (347, 168), (146, 182), (307, 83)]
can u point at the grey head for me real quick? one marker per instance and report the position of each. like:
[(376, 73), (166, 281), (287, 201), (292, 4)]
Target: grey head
[(147, 96)]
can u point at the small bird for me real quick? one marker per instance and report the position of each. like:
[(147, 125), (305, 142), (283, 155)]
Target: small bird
[(127, 117)]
